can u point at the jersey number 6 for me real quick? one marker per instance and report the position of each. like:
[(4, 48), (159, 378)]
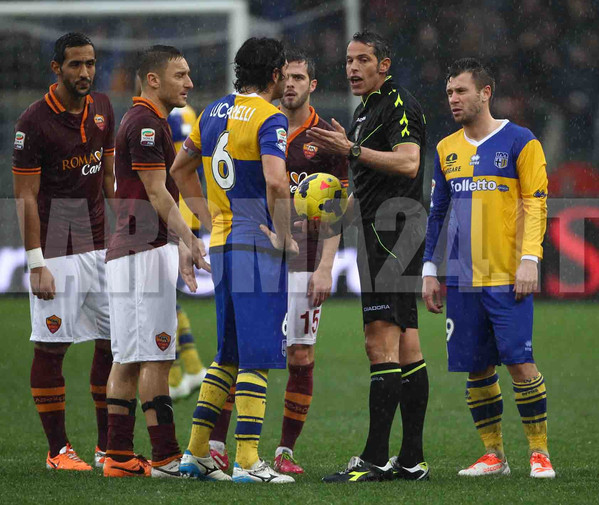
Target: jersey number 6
[(223, 166)]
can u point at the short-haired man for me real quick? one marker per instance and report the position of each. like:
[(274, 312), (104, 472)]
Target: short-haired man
[(63, 168), (386, 147), (309, 278), (241, 140), (142, 269), (493, 174)]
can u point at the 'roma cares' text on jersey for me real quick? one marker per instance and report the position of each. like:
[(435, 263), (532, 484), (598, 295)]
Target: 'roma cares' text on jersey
[(231, 135), (66, 150), (497, 188), (143, 142)]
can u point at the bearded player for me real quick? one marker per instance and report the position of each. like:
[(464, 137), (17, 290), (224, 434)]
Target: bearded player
[(63, 163)]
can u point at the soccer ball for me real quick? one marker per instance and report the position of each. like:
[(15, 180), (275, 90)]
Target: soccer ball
[(321, 197)]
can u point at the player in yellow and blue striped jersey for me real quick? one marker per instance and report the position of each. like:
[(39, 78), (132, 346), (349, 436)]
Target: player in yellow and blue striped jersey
[(492, 174), (241, 141)]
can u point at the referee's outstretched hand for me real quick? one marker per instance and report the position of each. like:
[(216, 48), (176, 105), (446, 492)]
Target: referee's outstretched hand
[(431, 294), (335, 142)]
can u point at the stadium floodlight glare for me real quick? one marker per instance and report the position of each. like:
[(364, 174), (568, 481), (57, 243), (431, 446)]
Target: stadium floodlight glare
[(237, 12)]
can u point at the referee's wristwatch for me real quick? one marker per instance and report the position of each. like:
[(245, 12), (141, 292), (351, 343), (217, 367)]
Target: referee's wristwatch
[(354, 152)]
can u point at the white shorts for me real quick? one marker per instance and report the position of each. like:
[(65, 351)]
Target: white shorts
[(143, 299), (302, 319), (79, 311)]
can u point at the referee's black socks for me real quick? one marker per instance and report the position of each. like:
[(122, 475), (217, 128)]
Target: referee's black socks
[(385, 388), (413, 403)]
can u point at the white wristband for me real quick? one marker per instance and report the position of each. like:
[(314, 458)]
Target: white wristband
[(530, 257), (35, 258), (429, 269)]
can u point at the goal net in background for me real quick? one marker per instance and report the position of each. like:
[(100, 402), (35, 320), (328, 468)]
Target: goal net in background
[(208, 32)]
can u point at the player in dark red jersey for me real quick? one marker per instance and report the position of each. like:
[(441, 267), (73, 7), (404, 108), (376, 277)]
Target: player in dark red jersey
[(310, 280), (63, 168), (141, 269)]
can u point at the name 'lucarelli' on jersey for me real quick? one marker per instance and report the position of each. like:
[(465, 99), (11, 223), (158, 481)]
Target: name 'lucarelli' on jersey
[(237, 112)]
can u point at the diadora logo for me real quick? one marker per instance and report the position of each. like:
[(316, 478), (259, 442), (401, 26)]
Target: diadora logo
[(376, 307), (540, 194), (501, 160), (89, 163), (360, 119), (450, 159), (474, 159), (470, 185)]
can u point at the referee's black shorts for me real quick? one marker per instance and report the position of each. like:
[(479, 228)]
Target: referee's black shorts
[(390, 266)]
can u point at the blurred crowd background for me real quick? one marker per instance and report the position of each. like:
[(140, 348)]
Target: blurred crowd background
[(544, 55)]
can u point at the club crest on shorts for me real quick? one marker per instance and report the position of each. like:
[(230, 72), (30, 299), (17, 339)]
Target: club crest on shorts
[(310, 151), (100, 121), (500, 160), (163, 340), (53, 323)]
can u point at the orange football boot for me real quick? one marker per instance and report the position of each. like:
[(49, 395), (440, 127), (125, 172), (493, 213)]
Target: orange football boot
[(67, 459), (137, 466)]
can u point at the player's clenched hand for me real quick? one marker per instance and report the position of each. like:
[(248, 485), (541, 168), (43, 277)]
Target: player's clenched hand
[(198, 252), (319, 287), (288, 245), (527, 277), (335, 142), (186, 267), (42, 283), (431, 294)]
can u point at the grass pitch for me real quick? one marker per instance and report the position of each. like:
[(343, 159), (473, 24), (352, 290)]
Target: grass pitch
[(565, 345)]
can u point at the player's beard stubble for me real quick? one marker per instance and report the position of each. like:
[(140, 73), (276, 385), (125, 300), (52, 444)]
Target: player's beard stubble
[(295, 102), (74, 91)]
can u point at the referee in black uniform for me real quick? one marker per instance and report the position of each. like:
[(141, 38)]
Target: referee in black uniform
[(385, 145)]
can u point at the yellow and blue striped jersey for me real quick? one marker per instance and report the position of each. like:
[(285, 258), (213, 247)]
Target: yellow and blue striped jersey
[(181, 120), (231, 135), (497, 188)]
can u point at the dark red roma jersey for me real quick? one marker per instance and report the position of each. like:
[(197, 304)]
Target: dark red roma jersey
[(66, 150), (143, 142)]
